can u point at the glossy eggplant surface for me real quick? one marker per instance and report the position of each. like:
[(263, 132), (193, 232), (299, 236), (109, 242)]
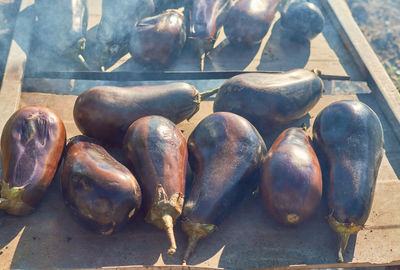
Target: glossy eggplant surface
[(101, 192), (225, 153), (32, 143), (349, 137)]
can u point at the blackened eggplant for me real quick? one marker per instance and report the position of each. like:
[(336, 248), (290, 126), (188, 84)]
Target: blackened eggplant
[(98, 189), (32, 143), (225, 153), (158, 40), (269, 100), (118, 19), (349, 137), (291, 179), (203, 22), (301, 20), (157, 151), (61, 27), (106, 112), (248, 21)]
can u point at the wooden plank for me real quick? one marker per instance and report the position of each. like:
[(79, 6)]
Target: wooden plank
[(377, 77), (10, 90), (246, 239)]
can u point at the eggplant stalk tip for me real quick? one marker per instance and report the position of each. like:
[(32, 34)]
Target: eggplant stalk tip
[(343, 240), (205, 95), (169, 228)]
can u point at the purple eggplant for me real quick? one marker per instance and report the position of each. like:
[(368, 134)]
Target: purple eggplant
[(291, 179), (270, 100), (349, 137), (225, 153), (156, 41), (118, 19), (61, 27), (248, 21), (32, 143), (203, 22), (99, 190), (157, 151), (106, 112), (301, 20)]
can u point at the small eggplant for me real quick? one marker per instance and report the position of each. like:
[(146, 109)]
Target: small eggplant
[(349, 136), (61, 27), (157, 152), (225, 154), (301, 20), (98, 189), (203, 20), (269, 100), (248, 21), (32, 143), (291, 180), (106, 112), (118, 19), (157, 40)]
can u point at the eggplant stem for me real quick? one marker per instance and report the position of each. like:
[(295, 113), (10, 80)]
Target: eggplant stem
[(205, 95), (81, 60), (343, 240), (202, 58), (192, 243), (169, 228)]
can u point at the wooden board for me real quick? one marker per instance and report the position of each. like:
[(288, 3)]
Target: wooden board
[(248, 238)]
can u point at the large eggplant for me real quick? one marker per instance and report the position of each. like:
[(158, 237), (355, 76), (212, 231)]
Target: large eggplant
[(291, 179), (106, 112), (204, 16), (157, 151), (225, 153), (248, 21), (61, 27), (118, 19), (301, 20), (32, 143), (98, 189), (269, 100), (349, 137), (156, 41)]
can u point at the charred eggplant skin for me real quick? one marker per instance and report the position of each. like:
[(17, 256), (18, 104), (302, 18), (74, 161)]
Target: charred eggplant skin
[(157, 151), (291, 179), (32, 143), (99, 190), (225, 154), (106, 112), (302, 20), (248, 21), (118, 19), (349, 137), (157, 40), (269, 99)]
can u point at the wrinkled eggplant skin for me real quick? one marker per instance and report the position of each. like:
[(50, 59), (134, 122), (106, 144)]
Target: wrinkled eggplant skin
[(32, 143), (106, 112), (157, 151), (157, 40), (99, 190), (302, 20), (61, 25), (291, 179), (118, 19), (270, 99), (204, 17), (248, 21), (350, 136), (225, 151)]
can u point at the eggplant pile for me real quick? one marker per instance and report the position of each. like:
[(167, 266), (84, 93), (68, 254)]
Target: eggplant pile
[(32, 143), (349, 137), (98, 189), (225, 153), (158, 154)]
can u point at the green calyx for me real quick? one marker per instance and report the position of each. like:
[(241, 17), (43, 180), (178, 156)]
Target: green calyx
[(11, 200), (163, 213)]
